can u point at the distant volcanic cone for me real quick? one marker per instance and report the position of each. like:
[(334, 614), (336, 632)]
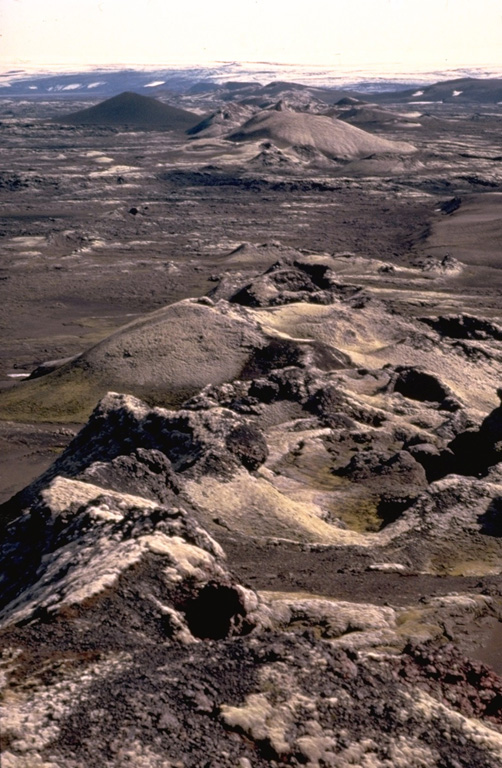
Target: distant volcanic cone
[(132, 109), (331, 137)]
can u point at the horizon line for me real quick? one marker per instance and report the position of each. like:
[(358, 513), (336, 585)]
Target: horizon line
[(400, 68)]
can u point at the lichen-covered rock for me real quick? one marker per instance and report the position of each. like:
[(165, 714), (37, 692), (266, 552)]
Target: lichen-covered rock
[(284, 698), (90, 543), (150, 441), (128, 640), (289, 281)]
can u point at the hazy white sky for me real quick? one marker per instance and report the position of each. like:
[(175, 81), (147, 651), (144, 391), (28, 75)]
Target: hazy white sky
[(344, 33)]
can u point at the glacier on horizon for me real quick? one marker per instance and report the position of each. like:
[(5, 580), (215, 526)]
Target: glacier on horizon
[(112, 79)]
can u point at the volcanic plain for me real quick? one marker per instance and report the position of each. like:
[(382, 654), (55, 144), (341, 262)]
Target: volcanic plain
[(251, 428)]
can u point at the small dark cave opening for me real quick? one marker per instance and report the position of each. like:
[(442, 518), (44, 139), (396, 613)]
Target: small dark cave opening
[(491, 519), (421, 386), (215, 612), (391, 507)]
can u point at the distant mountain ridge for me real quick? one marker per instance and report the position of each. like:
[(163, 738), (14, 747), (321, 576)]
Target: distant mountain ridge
[(470, 89), (101, 82)]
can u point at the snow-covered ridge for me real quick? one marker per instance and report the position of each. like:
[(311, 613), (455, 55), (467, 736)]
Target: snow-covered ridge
[(111, 78)]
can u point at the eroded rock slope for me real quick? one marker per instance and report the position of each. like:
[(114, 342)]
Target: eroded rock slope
[(339, 435)]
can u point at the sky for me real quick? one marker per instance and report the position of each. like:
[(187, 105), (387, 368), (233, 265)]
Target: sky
[(405, 34)]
